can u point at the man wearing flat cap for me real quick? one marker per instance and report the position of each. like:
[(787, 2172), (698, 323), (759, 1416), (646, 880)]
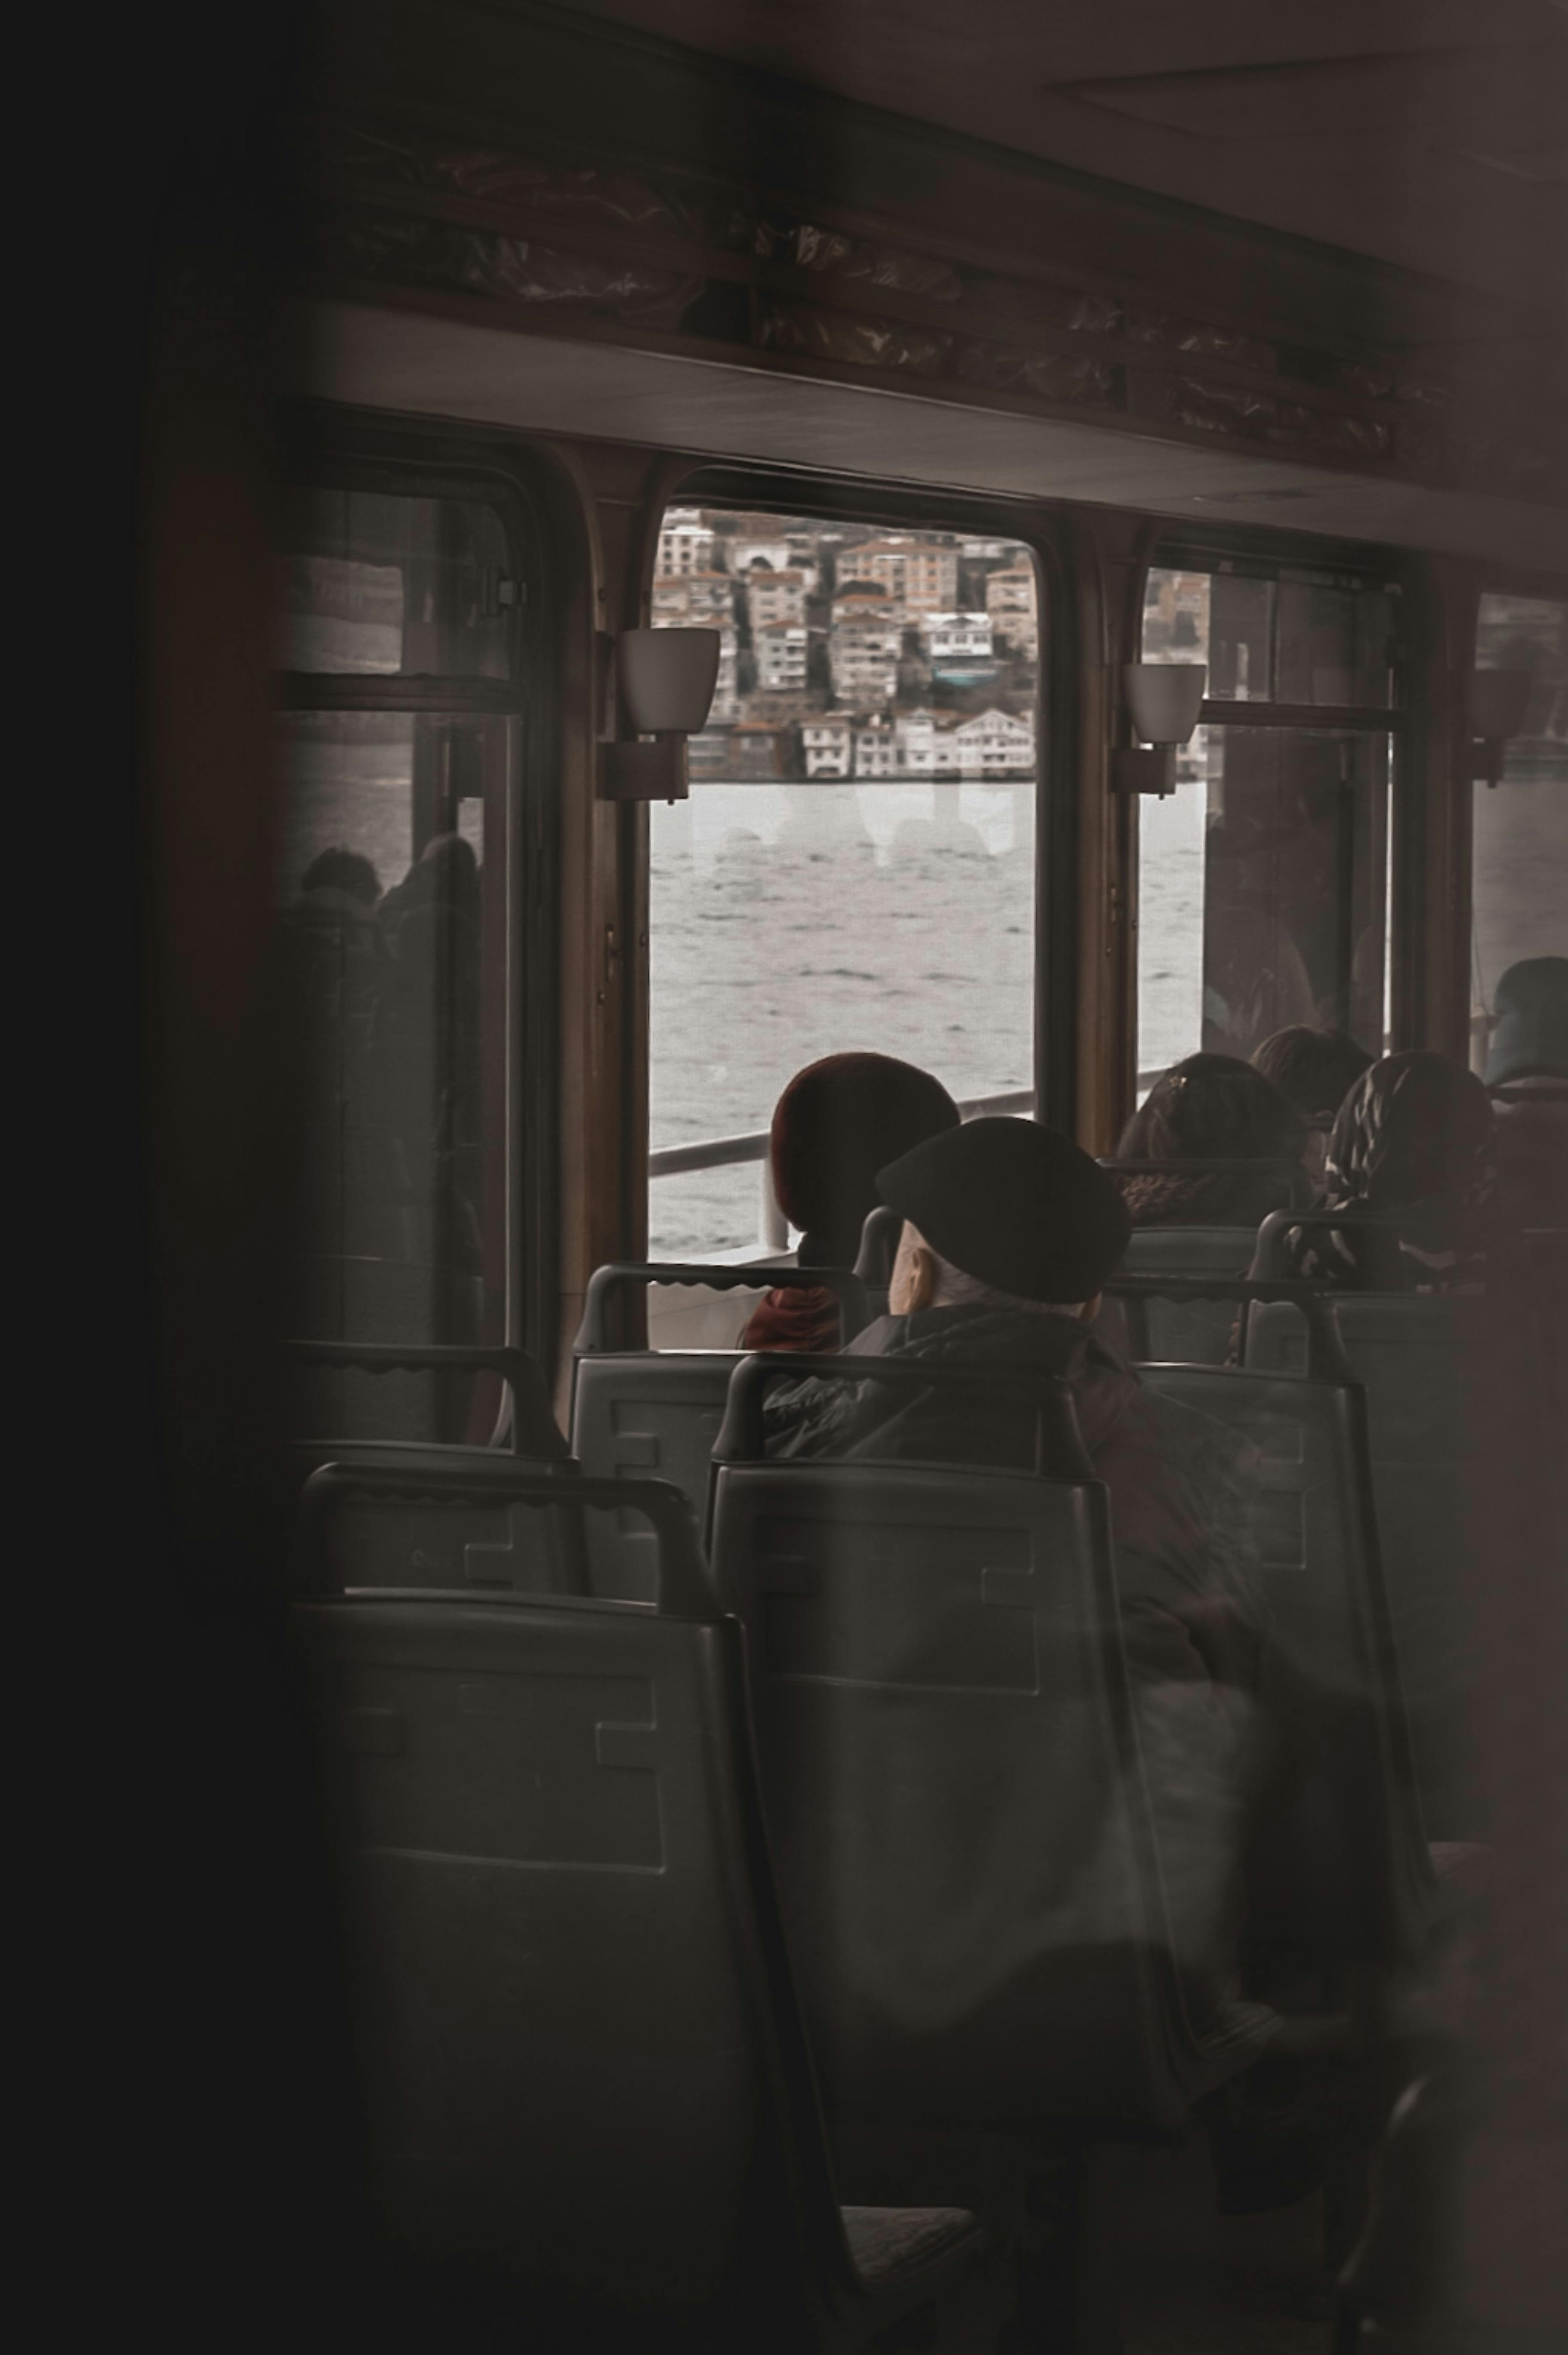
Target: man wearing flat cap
[(1010, 1230)]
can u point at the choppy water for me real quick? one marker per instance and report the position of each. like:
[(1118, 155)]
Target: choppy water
[(790, 922)]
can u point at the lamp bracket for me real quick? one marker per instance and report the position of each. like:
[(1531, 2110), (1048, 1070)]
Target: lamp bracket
[(1143, 769), (645, 769)]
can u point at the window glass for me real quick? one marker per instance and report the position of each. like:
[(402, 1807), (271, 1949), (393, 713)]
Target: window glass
[(1519, 866), (855, 866), (1262, 880), (378, 584), (1280, 637), (391, 947), (1262, 893)]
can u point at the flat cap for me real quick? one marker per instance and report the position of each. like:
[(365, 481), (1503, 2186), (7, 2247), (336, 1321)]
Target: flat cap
[(1015, 1205)]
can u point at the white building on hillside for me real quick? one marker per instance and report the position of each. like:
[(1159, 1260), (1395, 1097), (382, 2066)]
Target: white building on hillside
[(827, 744), (781, 651), (876, 748), (994, 744), (687, 544), (955, 637), (925, 743)]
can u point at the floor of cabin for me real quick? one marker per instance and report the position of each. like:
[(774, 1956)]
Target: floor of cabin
[(1188, 2281)]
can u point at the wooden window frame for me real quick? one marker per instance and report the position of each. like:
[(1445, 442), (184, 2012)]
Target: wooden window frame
[(332, 448)]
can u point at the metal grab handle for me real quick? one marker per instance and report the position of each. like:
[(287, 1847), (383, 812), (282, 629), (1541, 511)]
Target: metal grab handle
[(623, 1275), (535, 1432), (1326, 1358), (685, 1588), (1060, 1453), (1279, 1223)]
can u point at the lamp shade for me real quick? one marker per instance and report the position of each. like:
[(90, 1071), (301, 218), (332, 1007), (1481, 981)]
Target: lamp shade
[(1497, 702), (1164, 699), (667, 677)]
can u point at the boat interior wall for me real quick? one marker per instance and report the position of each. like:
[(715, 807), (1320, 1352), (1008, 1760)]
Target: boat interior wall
[(407, 361)]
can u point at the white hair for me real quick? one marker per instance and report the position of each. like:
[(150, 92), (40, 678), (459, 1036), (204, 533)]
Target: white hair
[(956, 1290)]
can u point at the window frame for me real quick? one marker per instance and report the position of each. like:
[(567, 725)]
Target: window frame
[(1549, 589), (1265, 555), (1044, 531), (333, 448)]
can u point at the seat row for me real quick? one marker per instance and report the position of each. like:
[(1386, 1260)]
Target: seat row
[(593, 2069)]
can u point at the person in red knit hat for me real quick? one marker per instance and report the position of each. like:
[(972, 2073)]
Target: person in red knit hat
[(837, 1123)]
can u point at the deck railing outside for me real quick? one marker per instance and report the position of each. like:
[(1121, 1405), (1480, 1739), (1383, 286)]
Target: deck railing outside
[(725, 1152)]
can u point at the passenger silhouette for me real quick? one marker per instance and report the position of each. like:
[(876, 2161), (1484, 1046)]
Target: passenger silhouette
[(1313, 1070), (833, 1126), (1416, 1138), (1209, 1108), (1528, 1055), (429, 1014), (1009, 1233), (339, 876), (444, 875)]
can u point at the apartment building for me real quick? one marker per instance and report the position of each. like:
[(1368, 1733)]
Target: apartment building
[(781, 651), (921, 575), (773, 597), (687, 544)]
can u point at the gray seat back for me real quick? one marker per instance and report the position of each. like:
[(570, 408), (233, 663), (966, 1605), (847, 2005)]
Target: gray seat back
[(637, 1412), (953, 1780), (1195, 1332), (1420, 1359), (1340, 1865), (585, 2086)]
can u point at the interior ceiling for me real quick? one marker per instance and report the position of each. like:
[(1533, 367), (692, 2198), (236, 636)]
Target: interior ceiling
[(1431, 134)]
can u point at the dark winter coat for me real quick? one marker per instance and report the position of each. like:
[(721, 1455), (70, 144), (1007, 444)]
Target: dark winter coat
[(1413, 1144), (1202, 1197), (1178, 1488)]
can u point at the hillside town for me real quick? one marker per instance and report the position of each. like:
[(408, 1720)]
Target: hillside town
[(852, 653)]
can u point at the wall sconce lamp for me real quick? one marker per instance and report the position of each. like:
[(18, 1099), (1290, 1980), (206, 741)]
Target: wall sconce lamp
[(665, 680), (1163, 703), (1497, 704)]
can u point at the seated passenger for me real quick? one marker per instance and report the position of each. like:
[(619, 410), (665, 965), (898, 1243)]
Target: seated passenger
[(1009, 1231), (1414, 1139), (1315, 1071), (340, 880), (833, 1126), (1529, 1055), (1209, 1108), (445, 876)]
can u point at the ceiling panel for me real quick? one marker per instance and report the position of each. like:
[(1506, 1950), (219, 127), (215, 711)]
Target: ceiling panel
[(1424, 133)]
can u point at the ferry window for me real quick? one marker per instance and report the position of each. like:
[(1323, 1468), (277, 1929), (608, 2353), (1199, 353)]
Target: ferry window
[(392, 940), (1520, 860), (1263, 878), (855, 866)]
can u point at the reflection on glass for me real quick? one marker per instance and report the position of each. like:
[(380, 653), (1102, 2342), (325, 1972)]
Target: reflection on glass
[(387, 895), (1262, 893), (377, 584), (1520, 861), (855, 866), (1287, 637)]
